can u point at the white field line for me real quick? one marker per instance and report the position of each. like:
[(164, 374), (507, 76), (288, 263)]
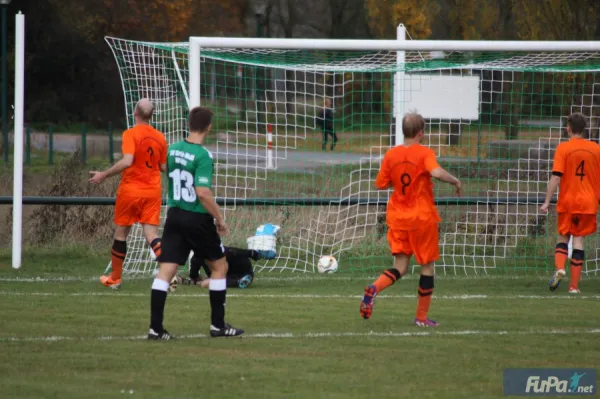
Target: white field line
[(262, 277), (464, 297), (313, 335)]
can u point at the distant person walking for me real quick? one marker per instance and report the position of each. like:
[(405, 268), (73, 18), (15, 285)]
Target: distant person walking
[(325, 122)]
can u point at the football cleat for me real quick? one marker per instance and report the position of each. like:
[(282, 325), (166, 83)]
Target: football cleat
[(426, 323), (574, 291), (227, 331), (245, 281), (556, 279), (110, 283), (163, 336), (366, 305)]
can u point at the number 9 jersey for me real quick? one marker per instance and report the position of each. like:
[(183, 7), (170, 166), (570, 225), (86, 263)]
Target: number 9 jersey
[(189, 166), (408, 171)]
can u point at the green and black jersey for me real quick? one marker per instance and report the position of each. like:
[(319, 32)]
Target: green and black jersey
[(189, 166)]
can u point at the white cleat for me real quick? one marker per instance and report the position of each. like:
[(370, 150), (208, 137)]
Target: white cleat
[(556, 279), (574, 291)]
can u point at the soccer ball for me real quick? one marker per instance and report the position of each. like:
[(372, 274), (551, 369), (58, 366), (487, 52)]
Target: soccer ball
[(174, 282), (327, 264)]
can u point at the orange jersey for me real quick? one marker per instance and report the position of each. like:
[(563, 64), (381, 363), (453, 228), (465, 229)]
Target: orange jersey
[(149, 149), (408, 171), (577, 161)]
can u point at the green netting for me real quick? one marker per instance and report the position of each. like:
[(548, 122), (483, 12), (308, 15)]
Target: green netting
[(493, 119)]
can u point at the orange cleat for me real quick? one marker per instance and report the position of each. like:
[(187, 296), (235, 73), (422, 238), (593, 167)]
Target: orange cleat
[(110, 283), (366, 305)]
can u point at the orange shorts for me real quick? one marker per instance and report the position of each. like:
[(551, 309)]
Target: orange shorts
[(422, 242), (575, 224), (131, 210)]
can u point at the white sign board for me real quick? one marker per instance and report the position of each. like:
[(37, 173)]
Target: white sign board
[(441, 96)]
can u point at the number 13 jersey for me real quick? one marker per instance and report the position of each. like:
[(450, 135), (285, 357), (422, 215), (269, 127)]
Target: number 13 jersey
[(577, 162), (189, 166), (408, 171)]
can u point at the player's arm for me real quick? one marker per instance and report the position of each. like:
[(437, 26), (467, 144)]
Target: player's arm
[(439, 173), (163, 157), (121, 165), (128, 149), (384, 180), (558, 168), (206, 198), (202, 183), (552, 186), (244, 253)]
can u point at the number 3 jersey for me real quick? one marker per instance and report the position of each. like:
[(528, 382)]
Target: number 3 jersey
[(189, 166), (149, 149), (577, 162), (407, 169)]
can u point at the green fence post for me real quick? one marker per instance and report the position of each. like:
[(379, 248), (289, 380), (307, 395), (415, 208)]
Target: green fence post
[(111, 144), (84, 144), (28, 146), (50, 146)]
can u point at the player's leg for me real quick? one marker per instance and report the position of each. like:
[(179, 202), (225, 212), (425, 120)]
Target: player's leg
[(584, 225), (175, 251), (126, 214), (324, 147), (426, 246), (239, 271), (158, 298), (402, 252), (577, 260), (425, 292), (207, 243), (561, 252), (195, 264), (117, 257), (218, 295), (334, 140), (150, 220)]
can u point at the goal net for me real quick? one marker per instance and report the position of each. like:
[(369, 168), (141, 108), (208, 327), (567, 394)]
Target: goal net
[(493, 118)]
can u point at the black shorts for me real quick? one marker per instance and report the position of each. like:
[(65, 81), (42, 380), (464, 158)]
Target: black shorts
[(186, 231)]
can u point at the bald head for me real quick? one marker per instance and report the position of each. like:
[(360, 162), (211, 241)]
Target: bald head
[(144, 110), (412, 124)]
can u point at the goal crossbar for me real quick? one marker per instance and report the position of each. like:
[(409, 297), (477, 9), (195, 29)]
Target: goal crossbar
[(394, 45)]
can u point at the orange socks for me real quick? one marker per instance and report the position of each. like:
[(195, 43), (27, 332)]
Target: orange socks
[(560, 255), (425, 293), (576, 264), (156, 246), (387, 278), (118, 252)]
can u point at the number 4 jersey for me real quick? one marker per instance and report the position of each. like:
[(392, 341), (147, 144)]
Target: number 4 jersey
[(408, 171), (189, 166), (577, 162)]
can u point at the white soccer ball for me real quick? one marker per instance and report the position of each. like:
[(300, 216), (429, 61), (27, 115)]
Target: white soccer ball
[(327, 264), (174, 282)]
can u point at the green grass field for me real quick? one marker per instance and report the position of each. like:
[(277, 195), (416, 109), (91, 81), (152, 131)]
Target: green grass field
[(65, 336)]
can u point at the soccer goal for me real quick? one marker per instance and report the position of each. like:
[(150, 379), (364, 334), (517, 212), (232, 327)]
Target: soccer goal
[(494, 111)]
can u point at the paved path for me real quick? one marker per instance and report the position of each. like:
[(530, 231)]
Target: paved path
[(287, 162)]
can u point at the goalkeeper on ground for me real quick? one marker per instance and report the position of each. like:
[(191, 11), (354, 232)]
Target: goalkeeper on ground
[(240, 273)]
